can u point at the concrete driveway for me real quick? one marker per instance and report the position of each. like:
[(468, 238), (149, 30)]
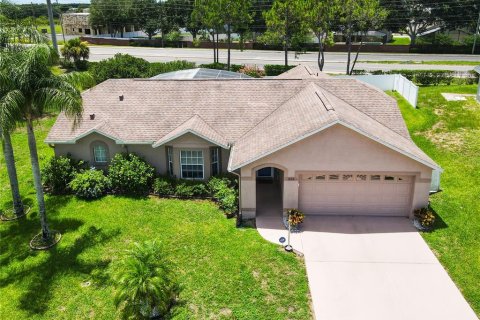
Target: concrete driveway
[(371, 268)]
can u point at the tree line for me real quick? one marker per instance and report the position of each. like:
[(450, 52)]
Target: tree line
[(285, 22)]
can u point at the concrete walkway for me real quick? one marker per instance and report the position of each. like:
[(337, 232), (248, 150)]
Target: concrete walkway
[(371, 268)]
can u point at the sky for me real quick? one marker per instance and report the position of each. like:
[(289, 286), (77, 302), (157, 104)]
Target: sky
[(53, 1)]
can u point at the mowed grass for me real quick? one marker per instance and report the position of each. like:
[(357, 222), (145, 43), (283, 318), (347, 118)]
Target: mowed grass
[(399, 41), (433, 62), (450, 133), (224, 272)]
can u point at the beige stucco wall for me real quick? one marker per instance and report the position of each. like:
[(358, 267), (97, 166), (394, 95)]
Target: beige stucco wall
[(155, 156), (335, 149)]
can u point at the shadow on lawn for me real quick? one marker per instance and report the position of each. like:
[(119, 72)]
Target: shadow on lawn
[(38, 275)]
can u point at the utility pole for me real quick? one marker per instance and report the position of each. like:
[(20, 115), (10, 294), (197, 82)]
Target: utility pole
[(476, 33), (52, 25)]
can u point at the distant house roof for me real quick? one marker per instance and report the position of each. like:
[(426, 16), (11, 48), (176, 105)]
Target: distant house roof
[(201, 73), (303, 72), (254, 117)]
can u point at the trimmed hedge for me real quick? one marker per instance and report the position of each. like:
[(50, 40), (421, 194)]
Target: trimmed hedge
[(222, 66), (276, 69), (424, 77)]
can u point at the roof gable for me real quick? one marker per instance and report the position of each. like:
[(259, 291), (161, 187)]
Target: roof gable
[(197, 126), (309, 112)]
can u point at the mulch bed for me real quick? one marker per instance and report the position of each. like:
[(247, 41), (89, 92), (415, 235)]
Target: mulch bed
[(9, 215), (38, 243)]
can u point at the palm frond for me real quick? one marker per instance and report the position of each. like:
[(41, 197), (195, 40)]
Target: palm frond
[(11, 109)]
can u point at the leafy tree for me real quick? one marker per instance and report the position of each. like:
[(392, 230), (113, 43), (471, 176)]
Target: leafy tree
[(320, 18), (112, 14), (145, 284), (207, 13), (411, 16), (147, 15), (284, 22), (75, 50), (358, 16), (191, 23), (457, 14), (36, 90), (234, 13)]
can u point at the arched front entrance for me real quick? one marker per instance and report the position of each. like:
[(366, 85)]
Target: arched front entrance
[(269, 191)]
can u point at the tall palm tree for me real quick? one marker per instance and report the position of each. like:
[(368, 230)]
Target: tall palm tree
[(37, 91), (8, 117)]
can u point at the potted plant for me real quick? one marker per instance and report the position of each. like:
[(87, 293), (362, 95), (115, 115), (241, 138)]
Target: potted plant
[(293, 219), (424, 219)]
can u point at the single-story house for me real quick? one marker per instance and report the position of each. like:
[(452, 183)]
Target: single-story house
[(302, 140)]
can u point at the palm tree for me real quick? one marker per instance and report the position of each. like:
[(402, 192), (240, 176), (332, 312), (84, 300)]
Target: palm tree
[(8, 113), (75, 50), (145, 283), (36, 90)]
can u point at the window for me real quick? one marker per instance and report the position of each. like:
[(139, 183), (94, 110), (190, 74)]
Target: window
[(169, 161), (389, 178), (375, 177), (333, 177), (347, 177), (215, 161), (80, 30), (265, 172), (191, 164), (87, 31), (322, 177), (100, 153)]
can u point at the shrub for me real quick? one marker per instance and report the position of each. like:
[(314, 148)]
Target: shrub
[(183, 190), (295, 217), (163, 186), (425, 216), (130, 175), (91, 184), (252, 71), (58, 172), (276, 69), (222, 66), (228, 200), (433, 77), (163, 67), (120, 66), (199, 188), (224, 191), (145, 283)]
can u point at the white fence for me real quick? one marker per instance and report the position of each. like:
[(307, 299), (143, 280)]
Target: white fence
[(395, 82)]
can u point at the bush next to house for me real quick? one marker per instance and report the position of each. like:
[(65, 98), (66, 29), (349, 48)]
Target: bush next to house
[(276, 69), (90, 184), (58, 172), (223, 189), (163, 186), (130, 175)]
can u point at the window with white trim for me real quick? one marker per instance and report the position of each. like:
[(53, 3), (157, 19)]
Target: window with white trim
[(215, 161), (100, 153), (191, 164), (169, 161)]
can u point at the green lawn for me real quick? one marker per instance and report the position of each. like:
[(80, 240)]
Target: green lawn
[(437, 62), (399, 41), (58, 28), (450, 133), (224, 272)]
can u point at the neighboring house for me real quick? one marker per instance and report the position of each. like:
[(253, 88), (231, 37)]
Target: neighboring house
[(78, 23), (302, 140), (477, 70)]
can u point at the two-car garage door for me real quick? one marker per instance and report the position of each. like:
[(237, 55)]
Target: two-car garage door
[(355, 194)]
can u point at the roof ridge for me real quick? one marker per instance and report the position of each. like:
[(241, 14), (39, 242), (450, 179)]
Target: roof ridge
[(274, 110), (330, 92)]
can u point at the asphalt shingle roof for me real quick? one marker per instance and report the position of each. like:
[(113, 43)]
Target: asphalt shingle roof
[(253, 115)]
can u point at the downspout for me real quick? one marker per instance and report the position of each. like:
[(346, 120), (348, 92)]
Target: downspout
[(239, 215)]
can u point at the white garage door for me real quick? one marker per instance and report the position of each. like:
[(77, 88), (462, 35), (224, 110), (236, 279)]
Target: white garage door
[(355, 194)]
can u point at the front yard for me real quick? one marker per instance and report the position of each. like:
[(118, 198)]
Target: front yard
[(224, 272), (450, 133)]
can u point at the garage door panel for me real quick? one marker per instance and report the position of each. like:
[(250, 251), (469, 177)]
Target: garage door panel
[(351, 194)]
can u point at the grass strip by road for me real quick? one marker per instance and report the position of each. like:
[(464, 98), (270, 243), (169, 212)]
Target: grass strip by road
[(438, 62)]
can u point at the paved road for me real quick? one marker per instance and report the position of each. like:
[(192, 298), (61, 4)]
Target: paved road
[(371, 268), (335, 61)]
